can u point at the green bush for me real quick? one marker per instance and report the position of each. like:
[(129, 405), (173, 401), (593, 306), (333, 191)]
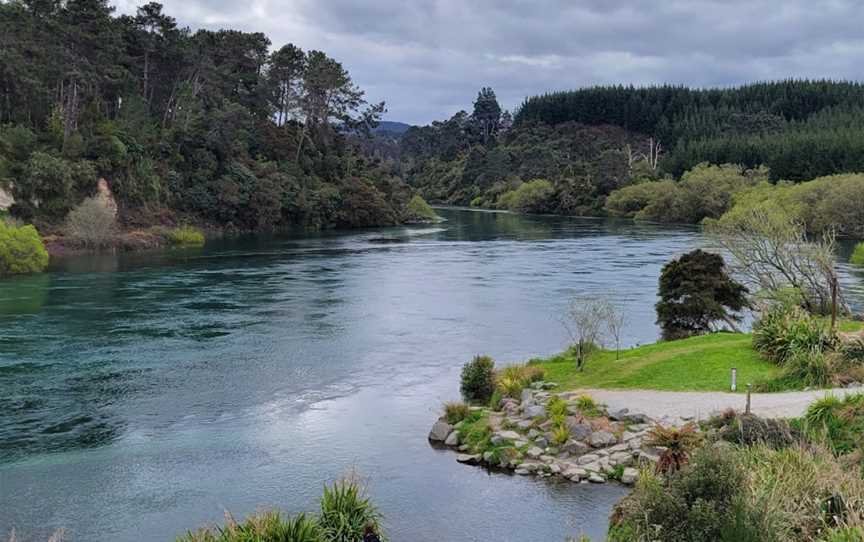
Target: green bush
[(21, 250), (456, 411), (784, 331), (511, 380), (478, 379), (857, 257), (839, 423), (531, 197), (418, 209), (263, 527), (844, 534), (186, 236), (750, 430), (811, 367), (346, 511)]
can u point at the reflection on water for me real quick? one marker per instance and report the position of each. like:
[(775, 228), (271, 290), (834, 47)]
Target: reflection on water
[(142, 394)]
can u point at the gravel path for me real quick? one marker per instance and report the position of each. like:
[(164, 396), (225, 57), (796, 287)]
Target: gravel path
[(667, 404)]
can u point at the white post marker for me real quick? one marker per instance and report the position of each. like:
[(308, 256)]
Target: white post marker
[(734, 379)]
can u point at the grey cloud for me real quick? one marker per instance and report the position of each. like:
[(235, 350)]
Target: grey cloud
[(427, 58)]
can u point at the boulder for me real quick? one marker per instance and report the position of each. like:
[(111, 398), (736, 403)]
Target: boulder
[(596, 478), (575, 473), (469, 459), (629, 476), (579, 431), (507, 435), (524, 424), (621, 458), (527, 397), (440, 431), (534, 452), (488, 457), (532, 466), (542, 442), (534, 411), (588, 458), (618, 415), (522, 471), (601, 439), (576, 447), (452, 439)]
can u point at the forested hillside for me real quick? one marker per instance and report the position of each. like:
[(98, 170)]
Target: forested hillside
[(568, 152), (208, 126)]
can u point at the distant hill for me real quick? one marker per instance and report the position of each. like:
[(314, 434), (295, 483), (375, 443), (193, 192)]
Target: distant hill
[(391, 127)]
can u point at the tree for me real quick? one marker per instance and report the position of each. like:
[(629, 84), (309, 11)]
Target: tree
[(285, 76), (616, 320), (487, 113), (773, 253), (695, 293), (585, 320)]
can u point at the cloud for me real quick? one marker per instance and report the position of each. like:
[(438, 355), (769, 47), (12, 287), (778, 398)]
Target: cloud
[(428, 58)]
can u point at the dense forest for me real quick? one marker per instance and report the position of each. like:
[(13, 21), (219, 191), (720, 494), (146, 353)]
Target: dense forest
[(568, 152), (212, 127)]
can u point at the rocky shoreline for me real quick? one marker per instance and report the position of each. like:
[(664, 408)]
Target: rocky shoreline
[(600, 445)]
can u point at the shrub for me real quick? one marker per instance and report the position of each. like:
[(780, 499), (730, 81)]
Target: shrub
[(456, 411), (511, 380), (839, 423), (679, 443), (750, 430), (186, 236), (784, 330), (857, 257), (91, 223), (263, 527), (535, 196), (495, 400), (478, 379), (813, 368), (560, 434), (346, 511), (844, 534), (556, 406), (588, 407), (21, 250), (418, 209)]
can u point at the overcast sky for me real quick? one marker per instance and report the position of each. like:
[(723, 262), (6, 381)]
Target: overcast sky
[(427, 59)]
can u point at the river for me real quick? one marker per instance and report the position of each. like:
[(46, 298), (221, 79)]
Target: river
[(144, 394)]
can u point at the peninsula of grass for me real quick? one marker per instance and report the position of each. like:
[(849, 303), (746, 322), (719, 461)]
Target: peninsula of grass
[(702, 363), (699, 363)]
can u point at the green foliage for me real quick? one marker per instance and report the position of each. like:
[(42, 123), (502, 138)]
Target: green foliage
[(857, 257), (839, 423), (478, 379), (677, 443), (21, 250), (530, 197), (588, 406), (263, 527), (695, 292), (186, 236), (495, 400), (560, 434), (751, 430), (706, 191), (785, 331), (248, 142), (418, 209), (511, 380), (556, 406), (456, 411), (844, 534), (346, 511)]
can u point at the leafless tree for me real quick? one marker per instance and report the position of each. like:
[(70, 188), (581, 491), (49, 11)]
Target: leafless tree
[(772, 252), (615, 320), (586, 320)]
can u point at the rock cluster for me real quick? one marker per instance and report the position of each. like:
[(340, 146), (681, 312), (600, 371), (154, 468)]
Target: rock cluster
[(598, 447)]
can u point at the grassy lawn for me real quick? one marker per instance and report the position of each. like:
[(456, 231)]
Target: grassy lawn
[(694, 364)]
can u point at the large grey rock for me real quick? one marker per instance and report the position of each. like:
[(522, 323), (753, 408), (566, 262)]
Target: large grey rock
[(588, 458), (575, 473), (618, 415), (532, 466), (488, 457), (470, 459), (579, 431), (452, 439), (508, 435), (596, 478), (621, 458), (527, 397), (523, 472), (534, 452), (601, 439), (524, 424), (440, 431), (542, 442), (575, 447), (534, 411), (629, 476)]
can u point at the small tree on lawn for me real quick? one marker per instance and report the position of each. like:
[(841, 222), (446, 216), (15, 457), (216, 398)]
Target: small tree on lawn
[(615, 320), (585, 321), (696, 292)]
